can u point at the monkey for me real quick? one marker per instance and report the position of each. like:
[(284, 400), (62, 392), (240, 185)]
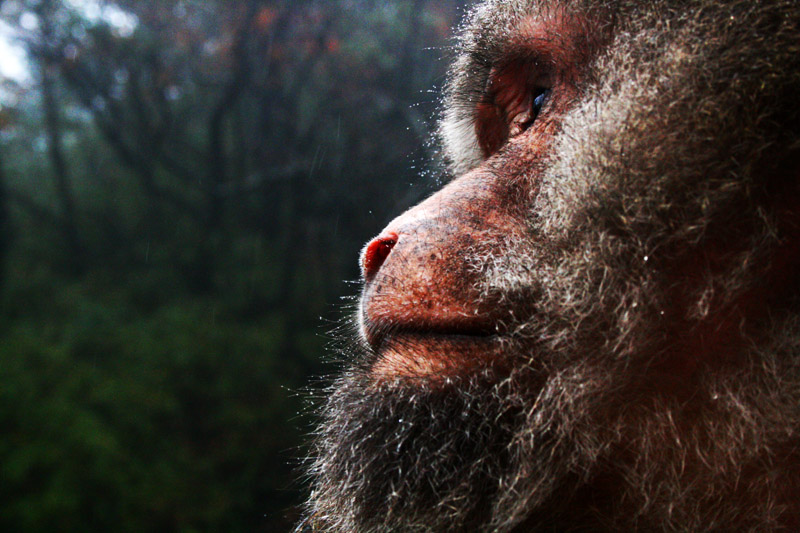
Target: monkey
[(594, 325)]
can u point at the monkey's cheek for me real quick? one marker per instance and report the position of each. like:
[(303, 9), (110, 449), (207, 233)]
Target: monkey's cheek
[(437, 357)]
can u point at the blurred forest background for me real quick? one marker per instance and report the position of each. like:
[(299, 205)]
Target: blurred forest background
[(184, 188)]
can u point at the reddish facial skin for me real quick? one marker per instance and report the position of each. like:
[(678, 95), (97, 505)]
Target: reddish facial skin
[(420, 311), (422, 301), (549, 53)]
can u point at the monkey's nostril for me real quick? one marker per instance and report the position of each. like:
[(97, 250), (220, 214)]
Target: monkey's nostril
[(376, 253)]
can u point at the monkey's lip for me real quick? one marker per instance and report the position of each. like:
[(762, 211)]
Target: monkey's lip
[(433, 350), (380, 333)]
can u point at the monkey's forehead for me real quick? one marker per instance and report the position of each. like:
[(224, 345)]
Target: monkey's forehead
[(493, 25)]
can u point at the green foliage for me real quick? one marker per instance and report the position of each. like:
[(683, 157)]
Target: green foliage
[(174, 421), (181, 200)]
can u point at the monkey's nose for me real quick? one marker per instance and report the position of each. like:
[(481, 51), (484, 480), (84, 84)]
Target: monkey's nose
[(375, 253)]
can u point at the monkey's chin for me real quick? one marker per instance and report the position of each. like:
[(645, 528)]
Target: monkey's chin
[(436, 356)]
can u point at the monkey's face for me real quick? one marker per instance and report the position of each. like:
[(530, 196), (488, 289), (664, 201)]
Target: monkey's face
[(592, 324)]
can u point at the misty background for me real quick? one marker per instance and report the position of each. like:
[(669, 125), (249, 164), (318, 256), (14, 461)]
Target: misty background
[(184, 189)]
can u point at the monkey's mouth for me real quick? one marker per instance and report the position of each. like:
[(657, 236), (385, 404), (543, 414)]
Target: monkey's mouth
[(432, 350)]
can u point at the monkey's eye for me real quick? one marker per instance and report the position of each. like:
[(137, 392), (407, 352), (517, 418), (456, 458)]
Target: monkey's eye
[(514, 98), (525, 115), (515, 95), (539, 98)]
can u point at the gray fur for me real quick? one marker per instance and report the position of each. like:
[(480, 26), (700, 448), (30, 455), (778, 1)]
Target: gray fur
[(662, 157)]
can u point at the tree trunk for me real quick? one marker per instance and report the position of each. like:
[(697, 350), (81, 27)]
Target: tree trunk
[(55, 150)]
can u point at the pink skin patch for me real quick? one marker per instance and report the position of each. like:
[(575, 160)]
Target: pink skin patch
[(376, 253)]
